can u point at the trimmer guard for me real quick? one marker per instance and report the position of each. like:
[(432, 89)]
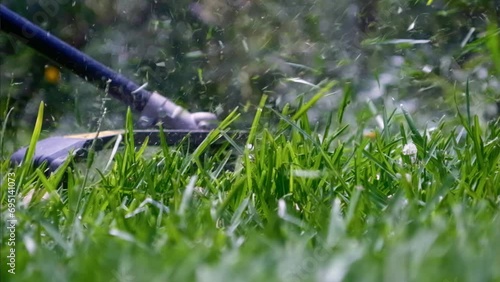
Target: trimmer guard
[(55, 150)]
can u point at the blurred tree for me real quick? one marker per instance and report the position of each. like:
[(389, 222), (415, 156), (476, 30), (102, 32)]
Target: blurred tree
[(23, 71)]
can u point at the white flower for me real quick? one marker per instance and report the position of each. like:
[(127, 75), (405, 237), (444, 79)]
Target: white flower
[(410, 149)]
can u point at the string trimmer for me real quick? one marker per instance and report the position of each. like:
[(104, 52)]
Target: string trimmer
[(151, 107)]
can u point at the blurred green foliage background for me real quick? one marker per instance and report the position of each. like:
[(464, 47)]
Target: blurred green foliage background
[(216, 55)]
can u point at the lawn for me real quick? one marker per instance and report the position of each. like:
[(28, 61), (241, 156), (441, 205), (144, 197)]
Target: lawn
[(295, 202), (372, 151)]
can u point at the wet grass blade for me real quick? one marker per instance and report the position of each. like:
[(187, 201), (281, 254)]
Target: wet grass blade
[(35, 136), (346, 100), (4, 127), (415, 134), (313, 100)]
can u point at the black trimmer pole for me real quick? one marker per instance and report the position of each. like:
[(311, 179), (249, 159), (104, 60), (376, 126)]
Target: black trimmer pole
[(152, 107)]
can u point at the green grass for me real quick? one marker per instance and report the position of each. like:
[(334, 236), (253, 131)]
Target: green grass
[(300, 204)]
